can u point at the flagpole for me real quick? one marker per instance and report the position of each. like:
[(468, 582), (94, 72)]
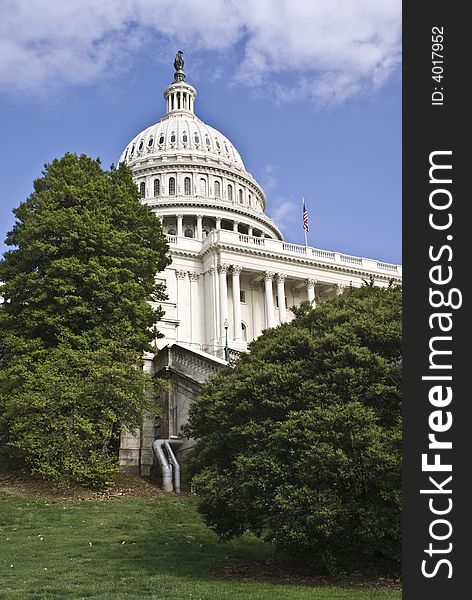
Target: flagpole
[(304, 228)]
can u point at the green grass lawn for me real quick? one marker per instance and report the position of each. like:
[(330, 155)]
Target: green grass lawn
[(131, 548)]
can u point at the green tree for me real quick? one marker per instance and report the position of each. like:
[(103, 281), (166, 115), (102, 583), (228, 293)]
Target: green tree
[(77, 319), (300, 443)]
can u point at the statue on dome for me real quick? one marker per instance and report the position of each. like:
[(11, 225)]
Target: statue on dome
[(179, 61)]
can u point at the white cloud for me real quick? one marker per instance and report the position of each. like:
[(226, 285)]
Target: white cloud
[(286, 213), (332, 50), (269, 179)]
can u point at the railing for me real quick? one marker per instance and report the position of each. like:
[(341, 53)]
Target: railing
[(249, 239), (294, 248), (325, 254), (172, 239), (352, 260), (387, 267)]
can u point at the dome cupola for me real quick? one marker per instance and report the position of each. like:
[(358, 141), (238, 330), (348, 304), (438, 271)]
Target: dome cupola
[(179, 96)]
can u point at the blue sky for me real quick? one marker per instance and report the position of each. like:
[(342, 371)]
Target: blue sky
[(308, 92)]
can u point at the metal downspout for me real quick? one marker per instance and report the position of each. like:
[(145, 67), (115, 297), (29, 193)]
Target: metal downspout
[(166, 467), (174, 462)]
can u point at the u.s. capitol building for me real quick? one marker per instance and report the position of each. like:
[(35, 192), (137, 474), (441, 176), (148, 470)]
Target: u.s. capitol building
[(232, 273)]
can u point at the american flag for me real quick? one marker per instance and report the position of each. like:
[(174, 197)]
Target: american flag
[(305, 217)]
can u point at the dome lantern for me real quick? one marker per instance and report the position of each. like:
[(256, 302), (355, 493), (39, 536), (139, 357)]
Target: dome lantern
[(179, 95)]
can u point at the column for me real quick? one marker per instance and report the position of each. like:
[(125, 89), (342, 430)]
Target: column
[(249, 231), (238, 332), (280, 279), (182, 307), (211, 320), (222, 270), (310, 291), (235, 226), (218, 223), (180, 219), (269, 300), (257, 311), (194, 308), (199, 228)]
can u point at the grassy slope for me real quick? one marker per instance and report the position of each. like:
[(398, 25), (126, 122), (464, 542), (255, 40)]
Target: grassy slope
[(130, 548)]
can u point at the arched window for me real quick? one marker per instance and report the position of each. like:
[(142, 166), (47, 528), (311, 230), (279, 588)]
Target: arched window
[(230, 192), (196, 139), (244, 331), (203, 187), (187, 186), (171, 231), (171, 186), (188, 232), (157, 187), (240, 196), (217, 189), (249, 200), (161, 139), (150, 143), (142, 189)]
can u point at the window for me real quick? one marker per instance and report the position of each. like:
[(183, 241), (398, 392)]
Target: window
[(185, 137), (142, 189), (230, 192), (132, 151), (188, 232), (172, 186), (157, 187), (187, 186), (207, 141), (171, 231), (161, 139), (242, 296), (217, 189), (249, 200), (151, 141), (217, 142), (141, 145), (196, 138), (172, 138), (203, 187), (244, 331), (240, 196)]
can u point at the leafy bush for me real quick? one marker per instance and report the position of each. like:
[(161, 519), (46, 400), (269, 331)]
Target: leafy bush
[(300, 443)]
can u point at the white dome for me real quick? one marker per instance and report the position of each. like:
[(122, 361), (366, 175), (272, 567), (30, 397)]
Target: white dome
[(182, 166), (183, 133)]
